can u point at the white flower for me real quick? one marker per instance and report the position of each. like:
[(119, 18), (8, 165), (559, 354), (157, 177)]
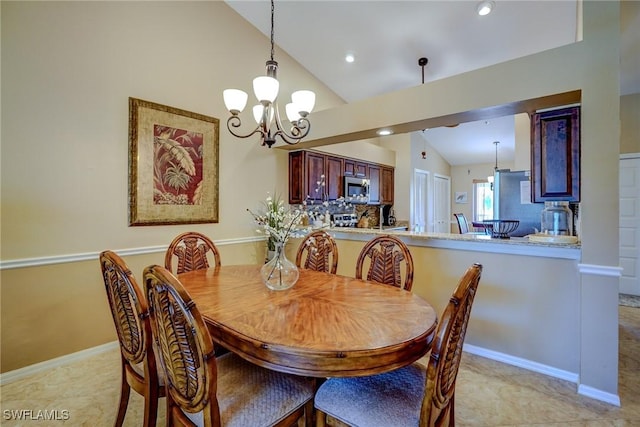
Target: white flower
[(278, 222)]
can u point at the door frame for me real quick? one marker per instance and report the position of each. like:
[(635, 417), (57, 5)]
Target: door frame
[(446, 202), (627, 286), (428, 209)]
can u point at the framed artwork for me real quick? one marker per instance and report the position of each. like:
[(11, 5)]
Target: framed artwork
[(461, 197), (173, 165)]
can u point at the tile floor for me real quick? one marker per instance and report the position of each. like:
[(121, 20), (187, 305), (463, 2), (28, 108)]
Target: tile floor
[(488, 393)]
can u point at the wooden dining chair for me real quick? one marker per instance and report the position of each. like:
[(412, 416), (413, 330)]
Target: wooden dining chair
[(388, 257), (130, 316), (414, 395), (321, 252), (205, 390), (191, 249)]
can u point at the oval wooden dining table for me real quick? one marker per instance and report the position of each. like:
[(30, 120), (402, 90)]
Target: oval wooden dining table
[(325, 326)]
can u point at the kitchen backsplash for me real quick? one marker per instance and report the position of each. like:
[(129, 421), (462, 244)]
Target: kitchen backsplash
[(373, 213)]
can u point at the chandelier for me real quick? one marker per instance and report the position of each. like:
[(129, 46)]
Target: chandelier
[(266, 112)]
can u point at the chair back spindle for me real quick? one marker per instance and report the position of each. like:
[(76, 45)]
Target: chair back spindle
[(390, 262), (318, 251), (191, 250)]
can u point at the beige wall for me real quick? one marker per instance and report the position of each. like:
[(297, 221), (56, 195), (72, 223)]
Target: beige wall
[(369, 150), (522, 154), (68, 69), (520, 308), (630, 124)]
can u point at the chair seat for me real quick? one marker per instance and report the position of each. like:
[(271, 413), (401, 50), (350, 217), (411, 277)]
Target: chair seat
[(249, 395), (390, 399)]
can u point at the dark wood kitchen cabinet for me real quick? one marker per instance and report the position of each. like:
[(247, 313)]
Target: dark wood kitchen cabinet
[(555, 155), (386, 185), (374, 185), (305, 173), (307, 167), (355, 168), (333, 177)]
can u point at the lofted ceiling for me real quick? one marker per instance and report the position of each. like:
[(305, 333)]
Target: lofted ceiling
[(388, 37)]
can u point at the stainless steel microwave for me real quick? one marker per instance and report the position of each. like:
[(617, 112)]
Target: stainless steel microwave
[(356, 187)]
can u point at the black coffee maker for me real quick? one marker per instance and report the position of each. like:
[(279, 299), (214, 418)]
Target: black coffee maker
[(388, 218)]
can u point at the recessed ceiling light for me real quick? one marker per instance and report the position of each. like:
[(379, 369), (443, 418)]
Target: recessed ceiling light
[(384, 132), (485, 7), (350, 57)]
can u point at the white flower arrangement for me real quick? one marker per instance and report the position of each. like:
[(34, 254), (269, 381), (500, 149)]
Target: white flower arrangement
[(277, 221)]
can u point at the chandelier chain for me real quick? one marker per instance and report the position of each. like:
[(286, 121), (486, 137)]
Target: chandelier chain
[(272, 25)]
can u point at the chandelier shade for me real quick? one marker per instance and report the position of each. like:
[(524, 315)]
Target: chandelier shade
[(235, 100), (266, 113), (266, 88), (305, 100)]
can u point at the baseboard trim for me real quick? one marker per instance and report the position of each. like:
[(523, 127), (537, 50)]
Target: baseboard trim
[(613, 399), (61, 259), (522, 363), (584, 390), (597, 394), (18, 374)]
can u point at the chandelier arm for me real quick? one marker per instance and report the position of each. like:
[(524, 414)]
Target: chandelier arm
[(236, 122), (297, 133), (299, 129)]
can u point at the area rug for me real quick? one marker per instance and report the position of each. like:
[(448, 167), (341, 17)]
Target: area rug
[(629, 300)]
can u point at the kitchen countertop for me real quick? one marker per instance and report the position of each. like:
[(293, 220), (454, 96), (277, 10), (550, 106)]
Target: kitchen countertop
[(471, 242)]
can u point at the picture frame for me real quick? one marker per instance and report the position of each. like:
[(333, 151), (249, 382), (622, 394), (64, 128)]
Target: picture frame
[(173, 165), (461, 197)]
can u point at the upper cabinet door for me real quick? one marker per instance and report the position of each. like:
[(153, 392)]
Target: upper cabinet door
[(297, 189), (555, 155), (334, 177), (315, 166), (374, 184), (386, 185)]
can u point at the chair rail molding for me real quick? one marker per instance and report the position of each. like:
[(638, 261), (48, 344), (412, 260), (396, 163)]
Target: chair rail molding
[(88, 256), (600, 270)]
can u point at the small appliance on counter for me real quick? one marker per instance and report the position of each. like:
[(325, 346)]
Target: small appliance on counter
[(345, 220), (557, 219), (388, 216)]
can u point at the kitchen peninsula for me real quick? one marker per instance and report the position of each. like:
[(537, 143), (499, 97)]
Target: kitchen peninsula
[(470, 242), (526, 312)]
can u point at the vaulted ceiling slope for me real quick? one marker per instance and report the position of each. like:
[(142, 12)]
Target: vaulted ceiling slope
[(388, 37)]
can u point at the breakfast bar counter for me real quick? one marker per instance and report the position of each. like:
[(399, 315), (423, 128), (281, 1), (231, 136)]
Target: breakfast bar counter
[(469, 242)]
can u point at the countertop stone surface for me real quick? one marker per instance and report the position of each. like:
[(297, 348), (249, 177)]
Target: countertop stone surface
[(476, 238)]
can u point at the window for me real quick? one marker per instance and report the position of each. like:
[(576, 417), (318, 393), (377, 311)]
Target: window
[(482, 200)]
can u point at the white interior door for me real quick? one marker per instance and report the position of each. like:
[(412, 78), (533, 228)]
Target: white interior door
[(421, 216), (630, 225), (441, 204)]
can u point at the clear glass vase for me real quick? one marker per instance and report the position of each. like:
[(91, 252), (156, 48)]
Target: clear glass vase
[(279, 273)]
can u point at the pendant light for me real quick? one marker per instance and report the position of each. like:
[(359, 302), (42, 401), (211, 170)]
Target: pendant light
[(422, 62), (495, 169), (266, 113)]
